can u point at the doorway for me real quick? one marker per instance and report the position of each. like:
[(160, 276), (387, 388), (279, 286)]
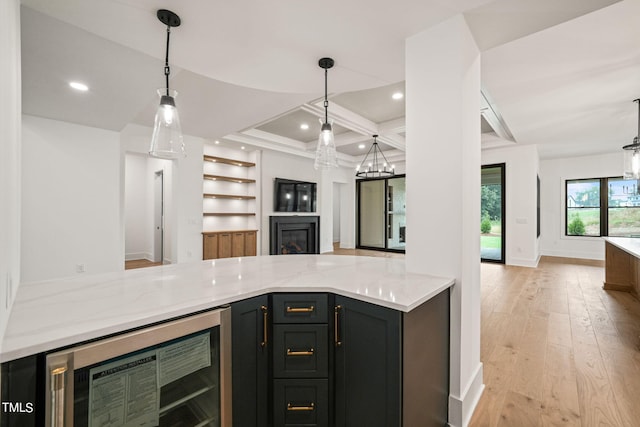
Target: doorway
[(492, 208), (158, 217)]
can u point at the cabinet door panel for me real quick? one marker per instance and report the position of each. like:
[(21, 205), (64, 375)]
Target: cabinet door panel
[(301, 403), (368, 368), (250, 243), (300, 308), (300, 351), (210, 246), (250, 362), (237, 245), (224, 245)]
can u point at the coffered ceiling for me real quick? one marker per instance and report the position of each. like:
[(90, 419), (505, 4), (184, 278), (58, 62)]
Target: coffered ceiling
[(561, 75)]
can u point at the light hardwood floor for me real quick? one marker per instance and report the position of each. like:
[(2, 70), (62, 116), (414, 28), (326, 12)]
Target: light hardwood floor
[(557, 349), (139, 263)]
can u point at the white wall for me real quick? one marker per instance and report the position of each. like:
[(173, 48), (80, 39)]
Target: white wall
[(137, 215), (70, 200), (553, 174), (521, 245), (443, 199), (183, 191), (281, 165), (10, 110)]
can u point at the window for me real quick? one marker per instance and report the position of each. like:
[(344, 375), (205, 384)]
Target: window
[(623, 208), (602, 207), (583, 208)]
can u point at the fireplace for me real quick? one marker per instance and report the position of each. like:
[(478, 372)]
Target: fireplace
[(290, 235)]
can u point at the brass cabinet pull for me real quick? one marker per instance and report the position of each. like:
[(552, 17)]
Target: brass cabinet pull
[(264, 326), (58, 377), (300, 353), (300, 309), (292, 407), (336, 329)]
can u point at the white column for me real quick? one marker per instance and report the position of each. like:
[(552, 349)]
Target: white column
[(443, 189), (10, 122)]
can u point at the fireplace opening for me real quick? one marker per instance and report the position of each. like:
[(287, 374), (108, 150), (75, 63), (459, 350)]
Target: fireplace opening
[(290, 235)]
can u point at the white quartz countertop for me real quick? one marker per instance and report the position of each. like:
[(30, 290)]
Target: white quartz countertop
[(56, 313), (631, 245)]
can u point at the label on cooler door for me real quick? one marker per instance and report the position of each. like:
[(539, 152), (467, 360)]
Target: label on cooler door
[(184, 357), (125, 392)]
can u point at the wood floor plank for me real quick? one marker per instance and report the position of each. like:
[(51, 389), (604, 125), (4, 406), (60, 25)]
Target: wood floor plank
[(535, 335), (520, 411), (530, 369), (559, 329), (597, 402), (561, 405)]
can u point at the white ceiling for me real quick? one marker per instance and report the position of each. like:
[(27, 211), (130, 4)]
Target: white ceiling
[(561, 75)]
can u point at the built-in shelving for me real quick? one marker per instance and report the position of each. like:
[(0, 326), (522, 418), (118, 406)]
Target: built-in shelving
[(228, 178), (227, 196), (229, 206), (216, 159), (229, 213)]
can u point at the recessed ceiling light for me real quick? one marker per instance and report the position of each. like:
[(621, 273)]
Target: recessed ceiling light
[(217, 142), (304, 126), (398, 95), (242, 148), (79, 86), (361, 146)]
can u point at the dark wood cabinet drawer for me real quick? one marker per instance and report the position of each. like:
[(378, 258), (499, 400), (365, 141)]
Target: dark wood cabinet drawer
[(301, 403), (300, 308), (300, 351)]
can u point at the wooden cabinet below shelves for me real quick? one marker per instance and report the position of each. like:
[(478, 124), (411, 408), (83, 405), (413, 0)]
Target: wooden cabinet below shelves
[(226, 244)]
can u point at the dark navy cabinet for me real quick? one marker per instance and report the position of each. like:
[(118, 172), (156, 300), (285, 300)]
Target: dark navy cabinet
[(368, 369), (330, 360), (250, 344)]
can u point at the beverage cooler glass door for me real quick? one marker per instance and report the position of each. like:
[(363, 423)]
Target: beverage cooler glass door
[(173, 374)]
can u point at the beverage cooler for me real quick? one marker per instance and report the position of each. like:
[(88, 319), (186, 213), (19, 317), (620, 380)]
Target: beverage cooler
[(173, 374)]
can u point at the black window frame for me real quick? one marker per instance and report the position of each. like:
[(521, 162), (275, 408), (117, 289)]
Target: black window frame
[(604, 205)]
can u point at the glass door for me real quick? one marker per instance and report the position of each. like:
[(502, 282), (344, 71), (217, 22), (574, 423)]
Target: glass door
[(382, 214), (396, 213), (492, 227), (371, 207)]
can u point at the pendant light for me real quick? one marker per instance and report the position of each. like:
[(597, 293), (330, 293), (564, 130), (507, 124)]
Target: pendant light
[(166, 141), (632, 154), (375, 164), (326, 156)]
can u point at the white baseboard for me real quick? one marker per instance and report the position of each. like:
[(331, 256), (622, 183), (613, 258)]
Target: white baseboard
[(573, 254), (461, 408), (137, 255), (524, 262)]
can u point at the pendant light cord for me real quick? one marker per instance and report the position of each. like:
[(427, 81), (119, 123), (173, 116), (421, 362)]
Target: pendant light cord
[(167, 70), (326, 102)]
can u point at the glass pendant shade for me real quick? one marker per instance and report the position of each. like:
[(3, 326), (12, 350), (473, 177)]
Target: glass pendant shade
[(326, 156), (632, 160), (166, 141)]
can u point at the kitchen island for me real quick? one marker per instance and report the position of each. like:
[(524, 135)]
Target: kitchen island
[(383, 333), (622, 264)]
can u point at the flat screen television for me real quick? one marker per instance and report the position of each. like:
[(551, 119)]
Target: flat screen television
[(294, 196)]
